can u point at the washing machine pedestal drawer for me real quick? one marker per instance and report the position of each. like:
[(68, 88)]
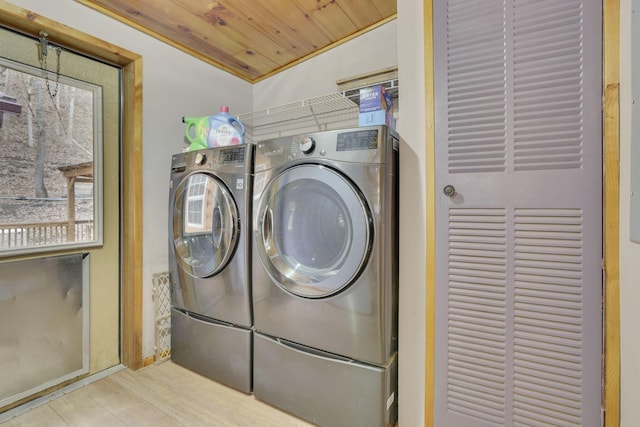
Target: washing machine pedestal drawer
[(215, 350), (322, 388)]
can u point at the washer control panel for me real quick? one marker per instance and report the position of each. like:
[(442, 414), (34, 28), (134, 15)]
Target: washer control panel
[(232, 155)]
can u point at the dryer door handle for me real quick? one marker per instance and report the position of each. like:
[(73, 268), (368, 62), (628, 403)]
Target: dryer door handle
[(267, 228)]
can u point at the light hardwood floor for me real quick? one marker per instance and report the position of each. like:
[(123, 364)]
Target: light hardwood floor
[(156, 396)]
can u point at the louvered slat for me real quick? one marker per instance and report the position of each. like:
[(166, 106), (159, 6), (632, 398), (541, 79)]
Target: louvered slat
[(547, 61), (548, 314), (476, 85), (477, 313)]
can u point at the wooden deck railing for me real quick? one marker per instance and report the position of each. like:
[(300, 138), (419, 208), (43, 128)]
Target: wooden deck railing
[(37, 234)]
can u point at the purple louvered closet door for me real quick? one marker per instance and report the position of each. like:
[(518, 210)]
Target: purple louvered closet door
[(519, 230)]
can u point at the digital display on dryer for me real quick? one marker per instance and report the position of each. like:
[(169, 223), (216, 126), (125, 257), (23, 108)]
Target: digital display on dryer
[(358, 140), (233, 155)]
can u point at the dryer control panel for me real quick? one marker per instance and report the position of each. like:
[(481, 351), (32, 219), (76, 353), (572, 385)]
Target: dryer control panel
[(371, 144), (358, 140)]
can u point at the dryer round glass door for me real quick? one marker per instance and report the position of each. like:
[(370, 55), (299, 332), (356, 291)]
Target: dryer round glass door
[(313, 231), (205, 224)]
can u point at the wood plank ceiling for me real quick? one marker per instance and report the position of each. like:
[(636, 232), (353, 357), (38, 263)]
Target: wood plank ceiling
[(252, 39)]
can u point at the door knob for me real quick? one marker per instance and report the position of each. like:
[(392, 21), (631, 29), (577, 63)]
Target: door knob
[(449, 190)]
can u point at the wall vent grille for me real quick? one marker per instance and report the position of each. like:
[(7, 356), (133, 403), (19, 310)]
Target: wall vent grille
[(162, 303)]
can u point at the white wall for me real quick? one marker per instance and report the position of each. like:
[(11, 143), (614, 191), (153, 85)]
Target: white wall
[(629, 251), (174, 85), (317, 76), (413, 215)]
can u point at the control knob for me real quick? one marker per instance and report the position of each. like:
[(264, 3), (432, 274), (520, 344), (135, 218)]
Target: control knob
[(200, 159), (307, 144)]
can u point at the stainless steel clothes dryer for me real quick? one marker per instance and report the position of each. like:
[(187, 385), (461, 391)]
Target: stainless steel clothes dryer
[(209, 244), (325, 274)]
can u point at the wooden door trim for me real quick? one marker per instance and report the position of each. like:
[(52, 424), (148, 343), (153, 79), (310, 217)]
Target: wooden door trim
[(430, 303), (30, 23), (131, 252), (611, 211)]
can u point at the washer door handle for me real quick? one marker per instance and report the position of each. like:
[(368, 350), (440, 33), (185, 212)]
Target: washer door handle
[(217, 226), (267, 227)]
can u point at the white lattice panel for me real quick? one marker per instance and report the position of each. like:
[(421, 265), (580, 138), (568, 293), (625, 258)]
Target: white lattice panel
[(162, 303)]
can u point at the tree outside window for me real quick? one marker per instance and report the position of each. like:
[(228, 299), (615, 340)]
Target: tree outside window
[(49, 131)]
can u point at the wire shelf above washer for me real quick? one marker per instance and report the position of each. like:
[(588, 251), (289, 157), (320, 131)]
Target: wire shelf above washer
[(326, 112)]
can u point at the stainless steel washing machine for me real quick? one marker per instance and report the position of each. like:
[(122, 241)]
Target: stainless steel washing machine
[(209, 260), (325, 275)]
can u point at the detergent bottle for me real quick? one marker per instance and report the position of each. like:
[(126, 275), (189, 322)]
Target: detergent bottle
[(224, 129), (197, 132)]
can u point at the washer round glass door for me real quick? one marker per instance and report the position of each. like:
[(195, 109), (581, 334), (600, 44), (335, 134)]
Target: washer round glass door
[(205, 224), (313, 231)]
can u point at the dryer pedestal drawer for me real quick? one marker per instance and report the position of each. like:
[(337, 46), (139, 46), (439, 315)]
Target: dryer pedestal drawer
[(215, 350), (322, 388)]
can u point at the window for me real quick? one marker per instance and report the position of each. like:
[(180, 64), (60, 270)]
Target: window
[(50, 152)]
